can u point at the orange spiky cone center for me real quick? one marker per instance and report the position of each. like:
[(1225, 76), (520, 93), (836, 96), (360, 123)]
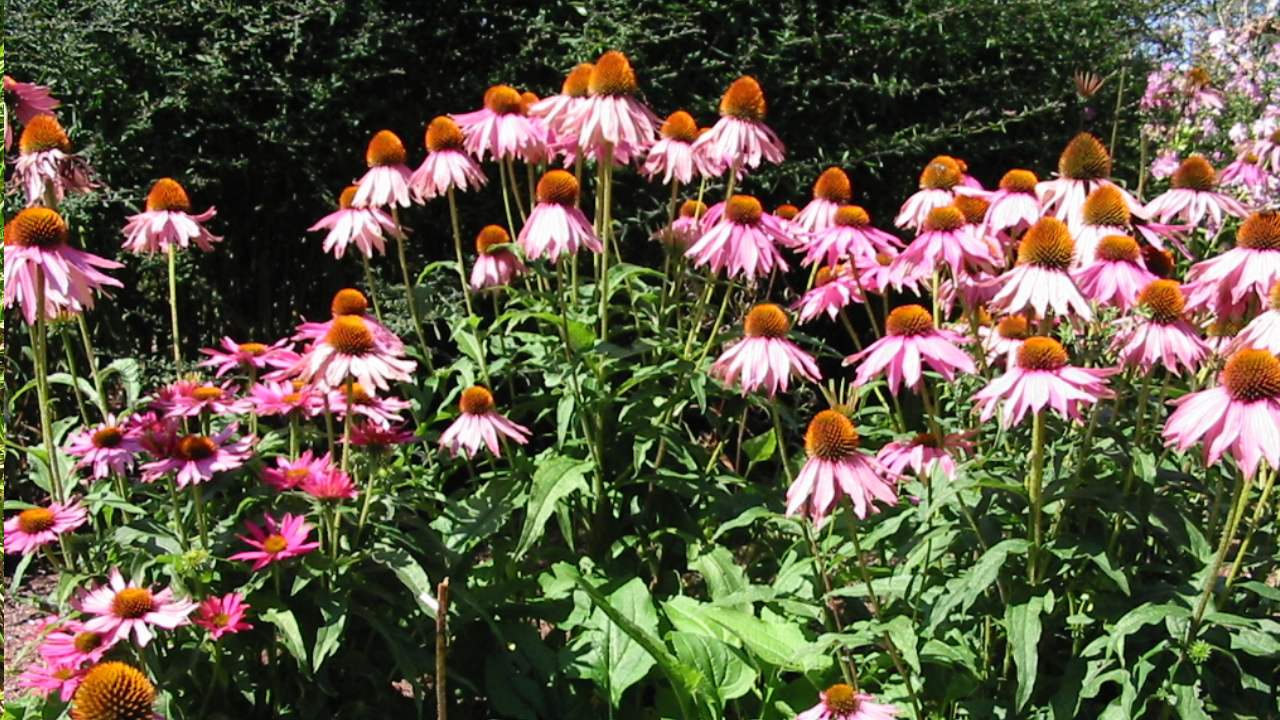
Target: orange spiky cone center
[(1252, 375), (841, 701), (833, 185), (107, 437), (1041, 353), (1260, 231), (193, 448), (349, 301), (476, 401), (205, 394), (766, 320), (1164, 300), (168, 194), (744, 100), (680, 126), (350, 336), (831, 436), (826, 274), (559, 187), (41, 134), (527, 99), (1019, 181), (502, 100), (357, 393), (612, 76), (385, 149), (113, 691), (1014, 327), (909, 320), (297, 475), (36, 227), (1273, 137), (1085, 158), (786, 212), (35, 520), (253, 349), (944, 219), (852, 216), (490, 237), (1047, 244), (1119, 248), (1106, 206), (928, 440), (347, 197), (443, 134), (87, 641), (973, 207), (274, 544), (743, 210), (942, 173), (577, 83), (1195, 173), (693, 208), (1159, 262), (132, 603)]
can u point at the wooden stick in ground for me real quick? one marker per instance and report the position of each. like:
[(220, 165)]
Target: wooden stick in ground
[(442, 649)]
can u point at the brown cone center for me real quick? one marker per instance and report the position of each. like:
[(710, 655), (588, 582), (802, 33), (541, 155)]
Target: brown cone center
[(1164, 300), (1041, 353), (1252, 375), (744, 100), (87, 642), (1106, 206), (743, 210), (944, 219), (1013, 327), (490, 237), (973, 207), (193, 448), (1119, 248), (36, 227), (1047, 244), (35, 520), (274, 544), (132, 603), (852, 216), (831, 436), (942, 173), (385, 149), (349, 301), (350, 336), (503, 100), (41, 134), (680, 126), (1260, 231), (909, 320), (578, 82), (842, 701), (168, 194), (107, 437), (559, 187), (1195, 173), (443, 134), (767, 321), (612, 76), (476, 400), (1085, 158), (1019, 181), (833, 186), (114, 691)]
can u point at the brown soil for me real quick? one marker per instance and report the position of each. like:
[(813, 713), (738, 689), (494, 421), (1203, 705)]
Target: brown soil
[(22, 615)]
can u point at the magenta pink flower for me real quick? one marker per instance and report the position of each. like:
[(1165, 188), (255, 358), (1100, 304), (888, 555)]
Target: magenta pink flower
[(168, 221), (1240, 417), (480, 424), (386, 184), (46, 168), (765, 358), (834, 288), (1011, 209), (1117, 274), (1004, 340), (945, 237), (673, 156), (502, 129), (686, 228), (740, 140), (925, 452), (1262, 332), (911, 342), (831, 191), (222, 615), (557, 111), (209, 398), (611, 116), (743, 241), (556, 226), (195, 458), (122, 608), (71, 645), (937, 190), (52, 676), (849, 235), (329, 485), (33, 100), (496, 266), (836, 469), (284, 398), (1193, 196), (248, 356), (1230, 282), (841, 702), (347, 302), (291, 474), (351, 350), (375, 435), (1041, 378), (365, 227), (1041, 281), (28, 530), (447, 165), (38, 259), (277, 542), (1163, 337), (381, 410), (108, 448), (1083, 166)]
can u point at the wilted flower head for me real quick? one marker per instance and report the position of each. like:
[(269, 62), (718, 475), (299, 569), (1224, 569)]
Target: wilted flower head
[(39, 262), (46, 169)]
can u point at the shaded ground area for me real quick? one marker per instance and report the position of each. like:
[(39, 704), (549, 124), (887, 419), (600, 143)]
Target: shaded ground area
[(22, 615)]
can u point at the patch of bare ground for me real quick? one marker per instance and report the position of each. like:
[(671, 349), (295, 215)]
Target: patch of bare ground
[(23, 612)]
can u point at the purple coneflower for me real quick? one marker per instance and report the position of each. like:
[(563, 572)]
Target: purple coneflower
[(1116, 275), (364, 227), (28, 530), (740, 139), (1193, 196), (122, 608), (1042, 378), (1163, 337), (479, 423), (496, 266), (1042, 281), (39, 261), (556, 226), (910, 343), (743, 241), (765, 358), (831, 191), (276, 541), (46, 169), (168, 221), (1240, 416), (938, 181), (386, 184), (837, 468)]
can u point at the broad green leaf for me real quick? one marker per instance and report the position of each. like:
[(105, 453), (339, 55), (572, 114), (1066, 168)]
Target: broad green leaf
[(290, 635), (729, 676), (626, 660), (1135, 619), (762, 447), (687, 615), (722, 575), (902, 631), (1190, 706), (780, 644), (962, 591), (554, 480), (329, 636), (1023, 625), (410, 573)]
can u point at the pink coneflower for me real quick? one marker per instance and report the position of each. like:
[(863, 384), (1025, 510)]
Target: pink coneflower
[(36, 251), (1013, 208), (386, 184), (331, 485), (558, 110), (46, 169), (744, 241), (209, 398), (347, 302), (672, 156), (1005, 339), (1267, 150), (364, 227), (447, 165), (842, 702), (52, 676), (291, 474), (1083, 166), (556, 226), (1163, 336), (381, 410), (351, 350), (911, 342), (195, 458), (611, 115), (1116, 275), (495, 264), (836, 468), (831, 191), (765, 358), (73, 645), (155, 434), (1042, 378), (1262, 332), (1244, 274), (247, 356), (1041, 280), (222, 615), (286, 398), (122, 608), (1193, 196), (924, 452), (873, 273), (1245, 172), (937, 189), (1105, 213), (686, 228), (1240, 416), (108, 448), (480, 424), (375, 435), (740, 140), (834, 288), (945, 237), (168, 221), (277, 542), (501, 130), (33, 100), (28, 530), (848, 235)]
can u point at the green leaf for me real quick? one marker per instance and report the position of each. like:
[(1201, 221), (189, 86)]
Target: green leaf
[(902, 631), (762, 447), (963, 590), (728, 675), (626, 660), (1190, 706), (778, 644), (1023, 625), (722, 574), (290, 635), (687, 615), (1135, 619), (329, 636), (410, 573), (469, 344), (554, 480)]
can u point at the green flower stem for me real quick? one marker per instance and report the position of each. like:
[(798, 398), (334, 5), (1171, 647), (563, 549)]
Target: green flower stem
[(346, 424), (373, 287), (848, 668), (201, 520), (93, 363), (515, 187), (178, 526), (715, 327), (408, 291), (75, 375), (695, 318), (173, 307), (1268, 484), (1035, 496), (506, 196), (604, 231), (40, 348), (457, 246)]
